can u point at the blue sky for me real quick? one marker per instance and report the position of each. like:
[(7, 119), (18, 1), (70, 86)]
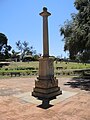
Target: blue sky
[(20, 20)]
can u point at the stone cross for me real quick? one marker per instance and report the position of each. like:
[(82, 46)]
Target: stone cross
[(45, 15)]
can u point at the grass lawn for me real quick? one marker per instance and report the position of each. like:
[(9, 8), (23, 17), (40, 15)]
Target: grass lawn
[(31, 68), (68, 65), (72, 65), (23, 64)]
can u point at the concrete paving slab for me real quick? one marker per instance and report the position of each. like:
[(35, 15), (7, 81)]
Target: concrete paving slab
[(27, 97)]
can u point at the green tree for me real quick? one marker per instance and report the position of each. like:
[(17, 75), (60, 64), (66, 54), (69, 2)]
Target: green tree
[(77, 31), (4, 48), (24, 48)]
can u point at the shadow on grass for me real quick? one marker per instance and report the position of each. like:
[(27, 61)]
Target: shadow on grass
[(77, 82)]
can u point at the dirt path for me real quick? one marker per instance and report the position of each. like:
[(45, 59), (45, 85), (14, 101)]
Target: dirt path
[(76, 107)]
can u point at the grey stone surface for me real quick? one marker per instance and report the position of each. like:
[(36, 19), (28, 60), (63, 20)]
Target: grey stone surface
[(27, 97)]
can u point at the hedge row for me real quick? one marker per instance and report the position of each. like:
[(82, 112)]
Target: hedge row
[(18, 73)]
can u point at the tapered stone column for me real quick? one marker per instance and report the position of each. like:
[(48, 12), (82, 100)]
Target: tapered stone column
[(45, 15), (46, 85)]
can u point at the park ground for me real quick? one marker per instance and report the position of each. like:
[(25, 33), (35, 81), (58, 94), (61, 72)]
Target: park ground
[(76, 107)]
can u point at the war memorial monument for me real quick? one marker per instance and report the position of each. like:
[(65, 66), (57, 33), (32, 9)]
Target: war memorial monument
[(46, 85)]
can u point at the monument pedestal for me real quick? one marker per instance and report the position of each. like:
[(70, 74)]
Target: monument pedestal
[(46, 85)]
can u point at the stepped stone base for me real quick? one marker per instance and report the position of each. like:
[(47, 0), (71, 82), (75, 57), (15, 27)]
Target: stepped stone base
[(46, 89)]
